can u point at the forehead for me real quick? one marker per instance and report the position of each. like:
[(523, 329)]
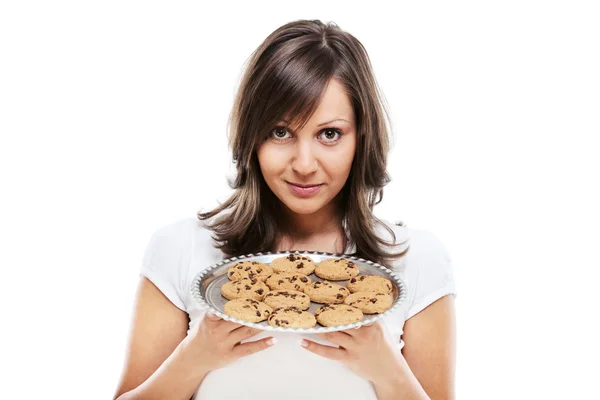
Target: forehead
[(334, 103)]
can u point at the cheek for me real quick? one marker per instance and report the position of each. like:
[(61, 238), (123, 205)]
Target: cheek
[(339, 165), (271, 165)]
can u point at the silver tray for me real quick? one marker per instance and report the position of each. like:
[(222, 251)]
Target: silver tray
[(206, 288)]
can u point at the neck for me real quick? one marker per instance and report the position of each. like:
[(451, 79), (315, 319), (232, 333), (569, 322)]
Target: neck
[(327, 220)]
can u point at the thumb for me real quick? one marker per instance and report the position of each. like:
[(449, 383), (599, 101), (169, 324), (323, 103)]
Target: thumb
[(212, 317)]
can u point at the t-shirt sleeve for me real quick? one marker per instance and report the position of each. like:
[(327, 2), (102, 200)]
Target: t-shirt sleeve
[(164, 261), (434, 275)]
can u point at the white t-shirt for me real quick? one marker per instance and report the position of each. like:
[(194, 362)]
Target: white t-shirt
[(177, 252)]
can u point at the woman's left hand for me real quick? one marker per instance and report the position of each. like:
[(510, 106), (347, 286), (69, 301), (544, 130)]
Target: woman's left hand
[(365, 350)]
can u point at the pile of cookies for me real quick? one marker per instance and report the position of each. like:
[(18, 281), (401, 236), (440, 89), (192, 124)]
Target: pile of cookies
[(282, 292)]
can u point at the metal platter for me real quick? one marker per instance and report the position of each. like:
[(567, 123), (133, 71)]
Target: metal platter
[(206, 288)]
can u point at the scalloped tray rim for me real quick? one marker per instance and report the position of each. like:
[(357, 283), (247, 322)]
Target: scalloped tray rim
[(402, 293)]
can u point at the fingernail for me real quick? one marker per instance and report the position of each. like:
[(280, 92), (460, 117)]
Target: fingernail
[(304, 343), (271, 341)]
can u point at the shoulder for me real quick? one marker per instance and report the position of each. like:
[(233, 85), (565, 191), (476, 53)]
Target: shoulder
[(426, 267), (183, 233), (171, 251)]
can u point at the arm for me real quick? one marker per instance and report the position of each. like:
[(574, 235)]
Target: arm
[(164, 362), (425, 368), (430, 348), (155, 366)]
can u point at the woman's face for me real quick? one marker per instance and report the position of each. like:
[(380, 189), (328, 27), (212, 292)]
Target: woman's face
[(307, 168)]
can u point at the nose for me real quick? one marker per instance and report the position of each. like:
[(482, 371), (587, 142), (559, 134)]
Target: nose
[(304, 161)]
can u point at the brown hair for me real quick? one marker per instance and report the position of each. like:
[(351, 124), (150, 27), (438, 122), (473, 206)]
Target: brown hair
[(284, 79)]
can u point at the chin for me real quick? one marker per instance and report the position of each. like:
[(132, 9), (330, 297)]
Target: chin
[(309, 207)]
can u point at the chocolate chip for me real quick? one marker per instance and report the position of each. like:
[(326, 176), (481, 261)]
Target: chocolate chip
[(300, 265), (253, 281), (231, 273), (339, 296), (247, 287), (280, 281), (294, 279), (373, 301), (246, 306), (362, 278), (353, 280), (285, 321), (304, 279), (258, 313), (248, 268), (259, 270), (254, 262), (240, 267), (337, 261), (388, 286), (259, 291)]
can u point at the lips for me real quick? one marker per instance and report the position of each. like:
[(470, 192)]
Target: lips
[(304, 190), (304, 186)]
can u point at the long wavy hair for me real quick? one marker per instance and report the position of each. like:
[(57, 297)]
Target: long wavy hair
[(284, 79)]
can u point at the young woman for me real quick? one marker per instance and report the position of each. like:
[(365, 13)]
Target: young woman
[(310, 142)]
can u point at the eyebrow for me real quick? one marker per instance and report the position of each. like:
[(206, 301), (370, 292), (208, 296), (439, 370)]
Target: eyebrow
[(334, 120), (324, 123)]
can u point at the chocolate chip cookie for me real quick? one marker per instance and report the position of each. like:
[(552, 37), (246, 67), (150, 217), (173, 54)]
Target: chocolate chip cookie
[(370, 283), (292, 317), (370, 302), (326, 292), (287, 298), (294, 263), (244, 288), (336, 269), (247, 310), (287, 280), (249, 269), (338, 314)]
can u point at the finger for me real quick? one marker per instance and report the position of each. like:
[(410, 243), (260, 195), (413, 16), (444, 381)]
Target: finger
[(246, 349), (360, 330), (332, 353), (339, 338), (242, 333), (212, 317), (354, 332), (219, 323)]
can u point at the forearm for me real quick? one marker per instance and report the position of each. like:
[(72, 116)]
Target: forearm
[(175, 379), (402, 384)]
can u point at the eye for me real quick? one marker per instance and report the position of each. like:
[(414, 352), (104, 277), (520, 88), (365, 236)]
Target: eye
[(278, 133), (330, 134)]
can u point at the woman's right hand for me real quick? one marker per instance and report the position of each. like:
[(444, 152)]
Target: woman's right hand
[(214, 342)]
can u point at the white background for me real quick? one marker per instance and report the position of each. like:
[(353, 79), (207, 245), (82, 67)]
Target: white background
[(113, 118)]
